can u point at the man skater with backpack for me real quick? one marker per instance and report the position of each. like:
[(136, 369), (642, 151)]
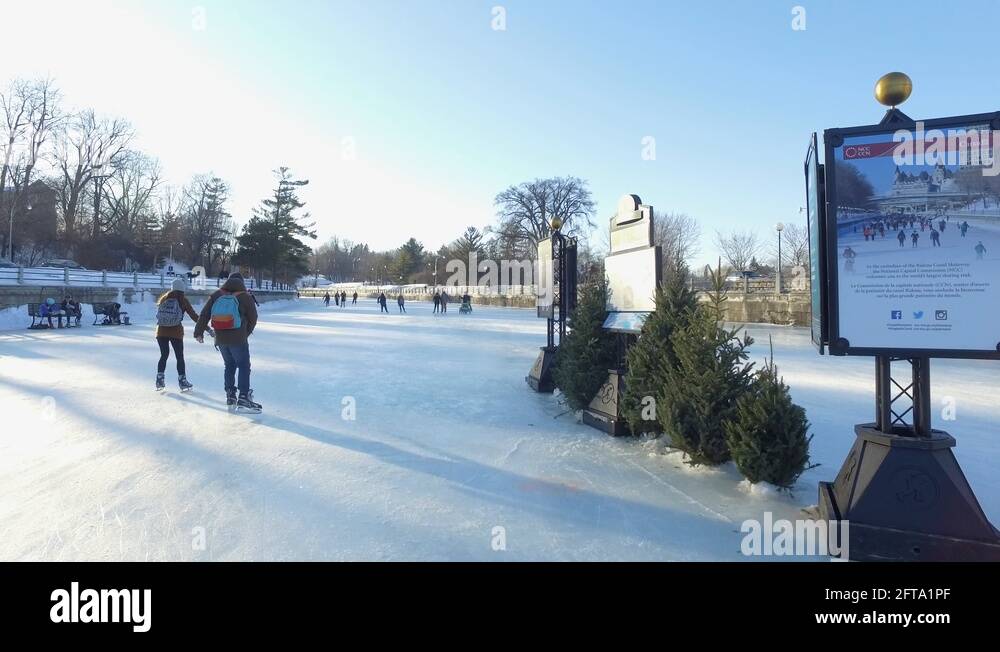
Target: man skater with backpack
[(233, 316), (170, 311)]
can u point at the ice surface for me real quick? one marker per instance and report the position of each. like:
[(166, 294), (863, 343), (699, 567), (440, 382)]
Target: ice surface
[(448, 445)]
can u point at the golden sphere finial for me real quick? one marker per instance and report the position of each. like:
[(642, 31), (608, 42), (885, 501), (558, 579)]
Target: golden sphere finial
[(893, 88), (556, 223)]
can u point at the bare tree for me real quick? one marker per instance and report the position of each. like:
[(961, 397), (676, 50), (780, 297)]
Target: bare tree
[(30, 112), (679, 237), (525, 211), (738, 248), (794, 246), (207, 226), (129, 193), (86, 145), (15, 103)]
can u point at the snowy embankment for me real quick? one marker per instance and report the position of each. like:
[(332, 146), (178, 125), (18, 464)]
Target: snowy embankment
[(388, 437)]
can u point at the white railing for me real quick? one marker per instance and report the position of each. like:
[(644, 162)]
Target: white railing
[(12, 276)]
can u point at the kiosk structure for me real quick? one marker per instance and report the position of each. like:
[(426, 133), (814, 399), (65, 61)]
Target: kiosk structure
[(633, 273), (895, 278)]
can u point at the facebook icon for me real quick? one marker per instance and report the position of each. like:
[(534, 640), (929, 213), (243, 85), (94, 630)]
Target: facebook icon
[(897, 314)]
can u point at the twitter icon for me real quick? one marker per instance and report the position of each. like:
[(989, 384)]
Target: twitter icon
[(918, 314)]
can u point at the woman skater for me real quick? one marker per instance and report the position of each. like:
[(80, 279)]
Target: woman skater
[(170, 311)]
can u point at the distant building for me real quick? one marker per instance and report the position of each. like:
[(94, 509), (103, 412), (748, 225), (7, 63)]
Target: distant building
[(36, 219), (926, 192)]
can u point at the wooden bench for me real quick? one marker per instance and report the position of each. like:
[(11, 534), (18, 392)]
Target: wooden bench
[(39, 322), (100, 316)]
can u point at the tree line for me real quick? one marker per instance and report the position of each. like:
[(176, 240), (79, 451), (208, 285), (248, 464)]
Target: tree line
[(74, 185)]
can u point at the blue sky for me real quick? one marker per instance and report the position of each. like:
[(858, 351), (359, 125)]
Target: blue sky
[(442, 111)]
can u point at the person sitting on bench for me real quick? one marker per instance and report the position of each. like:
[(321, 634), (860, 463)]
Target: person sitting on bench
[(112, 313), (48, 309), (72, 309)]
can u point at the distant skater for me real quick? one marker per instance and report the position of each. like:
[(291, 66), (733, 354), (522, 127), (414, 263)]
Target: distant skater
[(401, 302), (336, 298), (444, 302), (964, 228), (980, 250), (902, 239), (849, 256), (381, 303), (343, 299), (915, 238), (437, 301), (354, 299), (935, 238), (326, 299)]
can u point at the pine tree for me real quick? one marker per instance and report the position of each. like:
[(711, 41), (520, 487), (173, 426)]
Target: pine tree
[(768, 436), (271, 239), (649, 359), (588, 351), (709, 376)]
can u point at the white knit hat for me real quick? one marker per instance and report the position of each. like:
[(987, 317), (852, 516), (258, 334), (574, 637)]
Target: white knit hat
[(178, 284)]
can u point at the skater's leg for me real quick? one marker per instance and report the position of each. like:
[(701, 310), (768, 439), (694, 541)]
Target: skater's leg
[(178, 344), (229, 374), (240, 354), (161, 366)]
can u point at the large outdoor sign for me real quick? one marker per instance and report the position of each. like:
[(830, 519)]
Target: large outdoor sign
[(633, 268), (817, 241), (912, 238), (545, 288), (632, 281)]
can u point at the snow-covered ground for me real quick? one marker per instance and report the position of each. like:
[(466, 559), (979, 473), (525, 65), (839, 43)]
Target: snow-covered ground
[(448, 445)]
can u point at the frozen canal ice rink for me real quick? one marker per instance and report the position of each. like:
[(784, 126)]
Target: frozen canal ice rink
[(448, 444)]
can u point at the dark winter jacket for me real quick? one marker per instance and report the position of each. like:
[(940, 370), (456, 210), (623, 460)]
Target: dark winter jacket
[(176, 332), (248, 315)]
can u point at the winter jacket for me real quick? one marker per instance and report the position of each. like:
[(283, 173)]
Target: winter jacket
[(248, 315), (176, 332)]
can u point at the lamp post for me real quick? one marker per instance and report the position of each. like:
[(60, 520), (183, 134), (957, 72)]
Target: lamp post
[(98, 178), (779, 227)]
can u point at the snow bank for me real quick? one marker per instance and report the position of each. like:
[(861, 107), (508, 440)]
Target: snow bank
[(14, 319)]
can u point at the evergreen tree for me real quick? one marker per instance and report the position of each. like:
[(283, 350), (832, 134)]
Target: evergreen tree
[(768, 435), (588, 351), (708, 377), (271, 239), (650, 359)]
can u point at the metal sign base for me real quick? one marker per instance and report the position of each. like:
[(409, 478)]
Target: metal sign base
[(604, 410), (540, 376), (905, 498)]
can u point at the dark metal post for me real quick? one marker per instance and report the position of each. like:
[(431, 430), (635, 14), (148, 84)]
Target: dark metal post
[(883, 393), (921, 396)]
